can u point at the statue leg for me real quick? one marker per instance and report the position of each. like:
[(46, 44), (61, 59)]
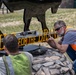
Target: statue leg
[(26, 21), (0, 4), (54, 8), (41, 18)]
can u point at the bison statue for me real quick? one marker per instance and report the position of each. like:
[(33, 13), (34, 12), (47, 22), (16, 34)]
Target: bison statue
[(32, 8)]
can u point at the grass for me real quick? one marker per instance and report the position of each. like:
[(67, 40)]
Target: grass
[(8, 21)]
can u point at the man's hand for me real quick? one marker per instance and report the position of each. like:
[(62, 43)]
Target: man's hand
[(51, 42), (50, 39)]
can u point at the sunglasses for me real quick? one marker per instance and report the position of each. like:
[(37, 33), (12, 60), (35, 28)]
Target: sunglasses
[(58, 28)]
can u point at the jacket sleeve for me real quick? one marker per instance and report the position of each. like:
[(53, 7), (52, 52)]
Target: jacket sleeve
[(30, 57), (2, 67)]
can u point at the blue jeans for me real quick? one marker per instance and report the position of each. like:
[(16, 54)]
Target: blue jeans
[(72, 55), (74, 65)]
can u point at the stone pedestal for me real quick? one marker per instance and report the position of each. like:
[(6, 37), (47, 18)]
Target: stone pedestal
[(52, 63)]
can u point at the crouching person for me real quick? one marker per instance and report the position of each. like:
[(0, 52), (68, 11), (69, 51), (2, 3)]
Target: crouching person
[(16, 63)]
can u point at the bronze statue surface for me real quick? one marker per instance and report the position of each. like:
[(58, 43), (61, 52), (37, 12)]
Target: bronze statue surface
[(32, 8)]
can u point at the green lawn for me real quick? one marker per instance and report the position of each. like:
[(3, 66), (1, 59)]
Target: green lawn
[(13, 22)]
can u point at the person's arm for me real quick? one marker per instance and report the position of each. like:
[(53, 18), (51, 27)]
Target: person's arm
[(51, 43), (2, 67), (61, 47), (30, 56)]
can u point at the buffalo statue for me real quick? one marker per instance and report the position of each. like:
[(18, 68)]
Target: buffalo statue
[(32, 8)]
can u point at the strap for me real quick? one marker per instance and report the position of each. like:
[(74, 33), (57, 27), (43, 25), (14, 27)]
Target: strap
[(73, 46), (8, 65)]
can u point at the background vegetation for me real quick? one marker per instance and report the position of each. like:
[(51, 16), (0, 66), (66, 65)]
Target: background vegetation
[(13, 22)]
